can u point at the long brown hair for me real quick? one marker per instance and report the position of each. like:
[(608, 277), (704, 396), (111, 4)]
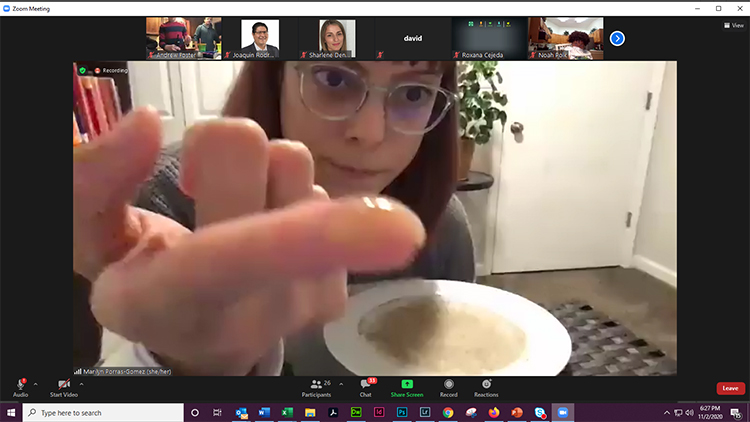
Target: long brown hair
[(324, 28), (427, 183)]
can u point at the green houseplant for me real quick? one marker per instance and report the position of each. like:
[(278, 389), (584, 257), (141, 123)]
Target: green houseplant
[(479, 108)]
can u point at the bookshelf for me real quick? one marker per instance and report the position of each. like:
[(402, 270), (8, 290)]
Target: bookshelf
[(99, 99)]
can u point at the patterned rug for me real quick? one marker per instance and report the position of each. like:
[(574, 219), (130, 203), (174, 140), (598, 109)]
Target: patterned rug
[(602, 346)]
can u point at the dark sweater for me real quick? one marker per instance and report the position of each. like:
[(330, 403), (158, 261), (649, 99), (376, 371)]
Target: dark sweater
[(207, 35)]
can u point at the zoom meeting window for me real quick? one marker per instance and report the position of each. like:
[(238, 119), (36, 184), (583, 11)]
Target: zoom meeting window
[(371, 217)]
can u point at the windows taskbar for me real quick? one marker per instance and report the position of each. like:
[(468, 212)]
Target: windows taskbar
[(464, 412), (380, 412)]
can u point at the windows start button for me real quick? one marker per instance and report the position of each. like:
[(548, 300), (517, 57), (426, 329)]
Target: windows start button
[(730, 388)]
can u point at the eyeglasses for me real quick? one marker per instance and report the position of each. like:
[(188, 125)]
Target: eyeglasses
[(261, 32), (337, 93)]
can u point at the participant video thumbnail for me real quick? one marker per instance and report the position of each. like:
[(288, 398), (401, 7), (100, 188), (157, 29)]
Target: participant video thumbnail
[(568, 147), (260, 39), (183, 38), (566, 38), (488, 38), (338, 36)]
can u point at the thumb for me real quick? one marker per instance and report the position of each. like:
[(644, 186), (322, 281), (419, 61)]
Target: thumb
[(106, 175), (107, 172)]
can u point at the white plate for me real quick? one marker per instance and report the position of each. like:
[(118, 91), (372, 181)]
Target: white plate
[(548, 345)]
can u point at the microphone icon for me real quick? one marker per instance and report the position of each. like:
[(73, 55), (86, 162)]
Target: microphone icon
[(21, 383)]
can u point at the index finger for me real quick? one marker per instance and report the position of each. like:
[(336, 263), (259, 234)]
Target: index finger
[(304, 241)]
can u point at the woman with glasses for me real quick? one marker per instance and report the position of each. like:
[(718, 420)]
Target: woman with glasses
[(238, 249)]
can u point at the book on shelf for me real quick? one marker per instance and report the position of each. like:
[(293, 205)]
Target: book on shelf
[(77, 139), (80, 105), (96, 107)]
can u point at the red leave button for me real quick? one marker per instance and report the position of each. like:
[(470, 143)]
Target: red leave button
[(730, 388)]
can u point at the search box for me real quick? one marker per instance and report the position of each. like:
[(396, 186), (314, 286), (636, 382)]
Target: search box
[(108, 412)]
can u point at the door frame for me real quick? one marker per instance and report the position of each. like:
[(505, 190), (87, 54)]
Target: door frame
[(636, 196), (642, 163), (191, 95), (173, 121)]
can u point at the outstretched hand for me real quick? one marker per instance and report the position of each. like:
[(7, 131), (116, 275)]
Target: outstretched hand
[(269, 255)]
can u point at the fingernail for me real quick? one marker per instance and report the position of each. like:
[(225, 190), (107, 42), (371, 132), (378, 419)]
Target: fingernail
[(292, 145), (380, 229), (394, 212)]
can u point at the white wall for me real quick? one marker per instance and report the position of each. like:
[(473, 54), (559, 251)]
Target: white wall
[(480, 205), (656, 239), (571, 25)]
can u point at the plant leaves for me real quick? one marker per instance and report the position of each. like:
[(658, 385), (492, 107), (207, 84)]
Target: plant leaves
[(479, 109), (492, 113), (482, 138)]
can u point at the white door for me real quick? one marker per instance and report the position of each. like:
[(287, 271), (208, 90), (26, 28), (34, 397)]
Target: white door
[(158, 84), (565, 182), (205, 86)]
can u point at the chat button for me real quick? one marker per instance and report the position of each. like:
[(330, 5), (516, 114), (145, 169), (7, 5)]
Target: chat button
[(368, 382)]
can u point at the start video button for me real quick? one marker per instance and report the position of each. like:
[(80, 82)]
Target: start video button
[(617, 38), (730, 388)]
